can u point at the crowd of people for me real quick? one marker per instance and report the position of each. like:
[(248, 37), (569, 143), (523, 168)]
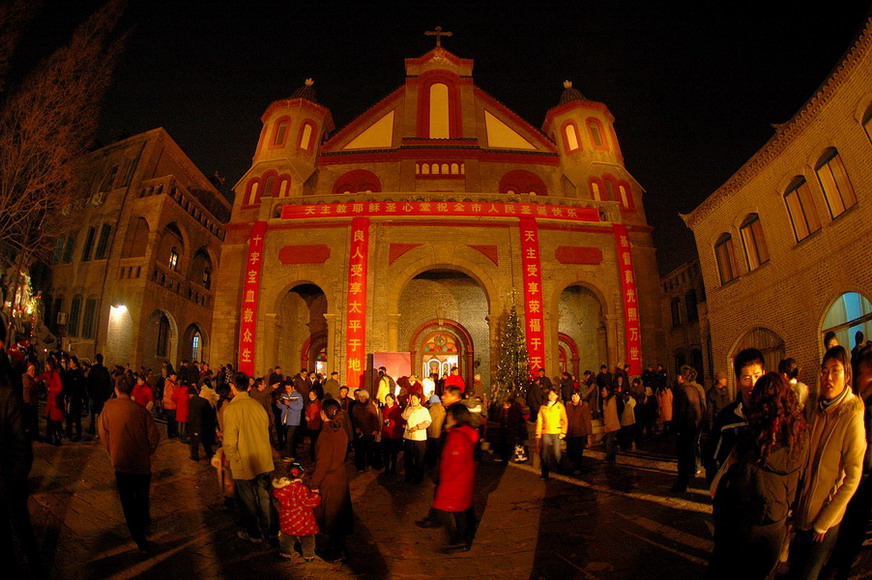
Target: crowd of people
[(787, 463)]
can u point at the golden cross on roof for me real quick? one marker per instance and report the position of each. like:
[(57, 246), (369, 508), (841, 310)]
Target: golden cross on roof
[(438, 34)]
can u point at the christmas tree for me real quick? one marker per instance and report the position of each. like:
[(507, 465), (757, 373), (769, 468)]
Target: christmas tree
[(513, 370)]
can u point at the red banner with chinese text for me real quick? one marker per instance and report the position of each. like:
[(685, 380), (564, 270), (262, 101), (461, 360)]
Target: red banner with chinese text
[(355, 321), (633, 337), (446, 209), (250, 292), (534, 319)]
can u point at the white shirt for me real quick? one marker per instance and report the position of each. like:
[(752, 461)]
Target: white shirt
[(415, 416)]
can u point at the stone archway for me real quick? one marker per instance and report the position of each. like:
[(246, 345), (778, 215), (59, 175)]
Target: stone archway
[(441, 343), (568, 358), (301, 324), (448, 301), (161, 340), (582, 322)]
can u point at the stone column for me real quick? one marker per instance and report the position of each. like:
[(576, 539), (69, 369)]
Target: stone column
[(268, 357), (333, 357), (393, 330), (613, 343)]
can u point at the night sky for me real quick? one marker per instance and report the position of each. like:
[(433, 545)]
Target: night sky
[(694, 87)]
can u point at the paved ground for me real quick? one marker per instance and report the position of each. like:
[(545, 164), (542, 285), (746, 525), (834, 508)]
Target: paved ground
[(613, 522)]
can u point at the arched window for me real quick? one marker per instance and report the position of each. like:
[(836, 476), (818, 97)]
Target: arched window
[(109, 179), (75, 316), (597, 134), (196, 345), (522, 181), (307, 132), (726, 257), (570, 135), (252, 195), (690, 306), (163, 335), (280, 132), (90, 319), (835, 183), (174, 259), (269, 187), (849, 314), (357, 181), (675, 307), (625, 195), (756, 251), (801, 208), (439, 117), (596, 189), (439, 105)]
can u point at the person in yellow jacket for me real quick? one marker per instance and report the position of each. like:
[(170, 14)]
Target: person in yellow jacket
[(551, 426)]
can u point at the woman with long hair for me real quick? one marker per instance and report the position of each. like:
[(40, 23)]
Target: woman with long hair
[(837, 445), (757, 484)]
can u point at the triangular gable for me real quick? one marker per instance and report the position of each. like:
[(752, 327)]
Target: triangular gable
[(352, 132), (379, 135), (501, 136), (504, 129)]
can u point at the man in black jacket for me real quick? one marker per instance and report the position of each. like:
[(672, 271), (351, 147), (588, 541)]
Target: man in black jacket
[(99, 390)]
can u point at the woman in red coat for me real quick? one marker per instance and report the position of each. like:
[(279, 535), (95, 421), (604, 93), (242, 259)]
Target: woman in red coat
[(54, 404), (393, 426), (180, 398), (454, 493)]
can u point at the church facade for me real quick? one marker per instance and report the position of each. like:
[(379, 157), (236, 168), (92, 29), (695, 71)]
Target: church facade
[(418, 226)]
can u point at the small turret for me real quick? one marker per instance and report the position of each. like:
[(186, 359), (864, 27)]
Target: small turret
[(293, 130)]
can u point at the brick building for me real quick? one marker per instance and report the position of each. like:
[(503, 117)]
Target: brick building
[(783, 244), (416, 227), (685, 314), (134, 281)]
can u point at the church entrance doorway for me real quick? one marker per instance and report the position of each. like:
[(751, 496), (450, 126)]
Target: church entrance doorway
[(302, 329), (443, 320)]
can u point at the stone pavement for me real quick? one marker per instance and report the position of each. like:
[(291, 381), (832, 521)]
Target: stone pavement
[(613, 522)]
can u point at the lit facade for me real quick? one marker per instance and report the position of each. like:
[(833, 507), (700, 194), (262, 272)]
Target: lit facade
[(416, 227), (135, 279)]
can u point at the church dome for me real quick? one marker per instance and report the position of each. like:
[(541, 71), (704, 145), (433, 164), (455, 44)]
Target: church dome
[(570, 94), (306, 92)]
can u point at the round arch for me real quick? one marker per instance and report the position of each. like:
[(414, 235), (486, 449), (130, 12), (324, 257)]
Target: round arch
[(769, 341), (417, 262), (466, 363), (566, 346), (161, 339), (846, 313), (190, 349), (312, 347)]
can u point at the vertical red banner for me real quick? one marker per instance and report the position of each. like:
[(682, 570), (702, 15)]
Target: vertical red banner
[(355, 320), (250, 292), (633, 337), (535, 321)]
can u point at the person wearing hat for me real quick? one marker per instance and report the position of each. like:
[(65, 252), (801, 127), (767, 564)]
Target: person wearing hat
[(296, 503), (717, 397)]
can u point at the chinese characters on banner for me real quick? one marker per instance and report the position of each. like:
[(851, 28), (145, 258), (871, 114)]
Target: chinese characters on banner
[(631, 302), (441, 208), (534, 317), (355, 320), (250, 290)]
